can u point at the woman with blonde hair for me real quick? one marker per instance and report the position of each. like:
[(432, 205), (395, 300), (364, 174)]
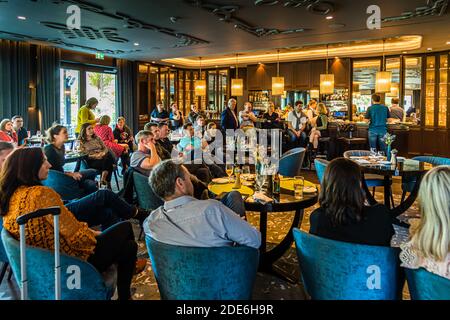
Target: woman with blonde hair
[(430, 236), (321, 124)]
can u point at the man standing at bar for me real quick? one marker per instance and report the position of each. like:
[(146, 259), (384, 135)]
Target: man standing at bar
[(378, 114), (229, 119)]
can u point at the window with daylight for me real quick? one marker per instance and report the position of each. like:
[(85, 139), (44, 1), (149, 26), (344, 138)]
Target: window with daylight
[(103, 87), (70, 96)]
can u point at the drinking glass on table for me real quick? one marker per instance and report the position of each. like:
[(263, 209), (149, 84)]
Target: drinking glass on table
[(246, 172), (373, 152), (259, 181), (299, 184), (229, 171)]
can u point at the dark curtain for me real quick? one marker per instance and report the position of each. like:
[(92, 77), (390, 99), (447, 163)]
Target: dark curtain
[(14, 79), (48, 90), (127, 80)]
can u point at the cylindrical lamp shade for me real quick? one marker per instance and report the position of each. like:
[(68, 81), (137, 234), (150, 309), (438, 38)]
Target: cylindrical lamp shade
[(277, 86), (237, 87), (395, 88), (383, 82), (326, 83), (314, 94), (200, 87)]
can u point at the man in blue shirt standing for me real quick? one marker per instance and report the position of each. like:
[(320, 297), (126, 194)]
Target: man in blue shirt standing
[(378, 115)]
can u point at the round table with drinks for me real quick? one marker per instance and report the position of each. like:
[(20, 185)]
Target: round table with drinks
[(296, 194), (410, 170)]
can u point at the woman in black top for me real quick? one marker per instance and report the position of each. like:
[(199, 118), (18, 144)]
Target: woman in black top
[(55, 152), (122, 133), (272, 118), (342, 215)]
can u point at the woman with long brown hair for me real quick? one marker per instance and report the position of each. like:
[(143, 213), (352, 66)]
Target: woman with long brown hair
[(21, 192), (343, 215), (98, 155)]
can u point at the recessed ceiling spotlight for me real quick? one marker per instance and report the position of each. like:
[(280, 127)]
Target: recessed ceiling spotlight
[(448, 42), (22, 18), (153, 61), (405, 52), (329, 17), (337, 58), (430, 49), (136, 44), (173, 65), (217, 66)]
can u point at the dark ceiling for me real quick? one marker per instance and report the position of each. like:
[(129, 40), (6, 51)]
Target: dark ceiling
[(188, 28)]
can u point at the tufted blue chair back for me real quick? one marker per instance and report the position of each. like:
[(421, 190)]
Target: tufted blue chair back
[(334, 270), (188, 273)]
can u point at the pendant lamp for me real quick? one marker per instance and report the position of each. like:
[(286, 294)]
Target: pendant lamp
[(200, 85), (237, 85), (278, 82), (383, 77), (327, 81)]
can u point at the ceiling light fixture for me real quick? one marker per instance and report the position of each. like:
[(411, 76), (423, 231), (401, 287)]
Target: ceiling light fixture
[(329, 18), (404, 43), (448, 43), (383, 77), (430, 49), (278, 82), (327, 80), (200, 85), (136, 44), (22, 18), (237, 85)]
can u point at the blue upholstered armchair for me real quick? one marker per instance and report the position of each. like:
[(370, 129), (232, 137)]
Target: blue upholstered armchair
[(320, 165), (40, 263), (146, 198), (408, 184), (334, 270), (424, 285), (67, 187), (291, 162), (187, 273)]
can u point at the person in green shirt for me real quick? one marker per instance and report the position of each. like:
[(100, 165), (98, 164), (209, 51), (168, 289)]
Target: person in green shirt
[(85, 114)]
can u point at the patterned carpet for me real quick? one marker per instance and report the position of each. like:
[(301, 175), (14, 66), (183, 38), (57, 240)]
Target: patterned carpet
[(267, 287)]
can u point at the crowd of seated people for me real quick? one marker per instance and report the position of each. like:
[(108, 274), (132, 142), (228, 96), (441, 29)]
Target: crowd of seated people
[(189, 216)]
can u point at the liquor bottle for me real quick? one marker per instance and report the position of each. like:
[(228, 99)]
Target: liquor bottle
[(270, 185), (237, 174), (276, 184)]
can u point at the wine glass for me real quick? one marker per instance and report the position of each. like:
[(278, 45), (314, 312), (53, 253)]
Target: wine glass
[(229, 171), (260, 180), (373, 152), (246, 172)]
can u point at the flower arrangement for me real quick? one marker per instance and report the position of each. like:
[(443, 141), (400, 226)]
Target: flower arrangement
[(388, 139)]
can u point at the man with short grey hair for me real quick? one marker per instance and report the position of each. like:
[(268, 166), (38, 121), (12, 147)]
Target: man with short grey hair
[(228, 118), (146, 156), (186, 221)]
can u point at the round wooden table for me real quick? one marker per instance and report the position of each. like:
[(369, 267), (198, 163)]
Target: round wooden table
[(284, 203), (412, 170)]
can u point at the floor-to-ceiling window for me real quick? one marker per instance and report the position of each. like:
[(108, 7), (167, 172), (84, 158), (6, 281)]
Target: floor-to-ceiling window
[(79, 83), (70, 97), (103, 87)]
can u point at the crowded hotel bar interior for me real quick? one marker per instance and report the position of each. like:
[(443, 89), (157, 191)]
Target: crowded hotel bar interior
[(224, 150)]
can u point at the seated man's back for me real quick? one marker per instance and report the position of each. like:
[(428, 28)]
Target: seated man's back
[(186, 221), (189, 222)]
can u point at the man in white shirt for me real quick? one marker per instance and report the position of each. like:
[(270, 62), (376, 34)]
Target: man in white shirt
[(246, 117), (186, 221), (297, 121)]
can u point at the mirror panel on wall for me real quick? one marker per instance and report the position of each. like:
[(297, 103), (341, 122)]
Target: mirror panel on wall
[(412, 89), (364, 76), (393, 65)]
